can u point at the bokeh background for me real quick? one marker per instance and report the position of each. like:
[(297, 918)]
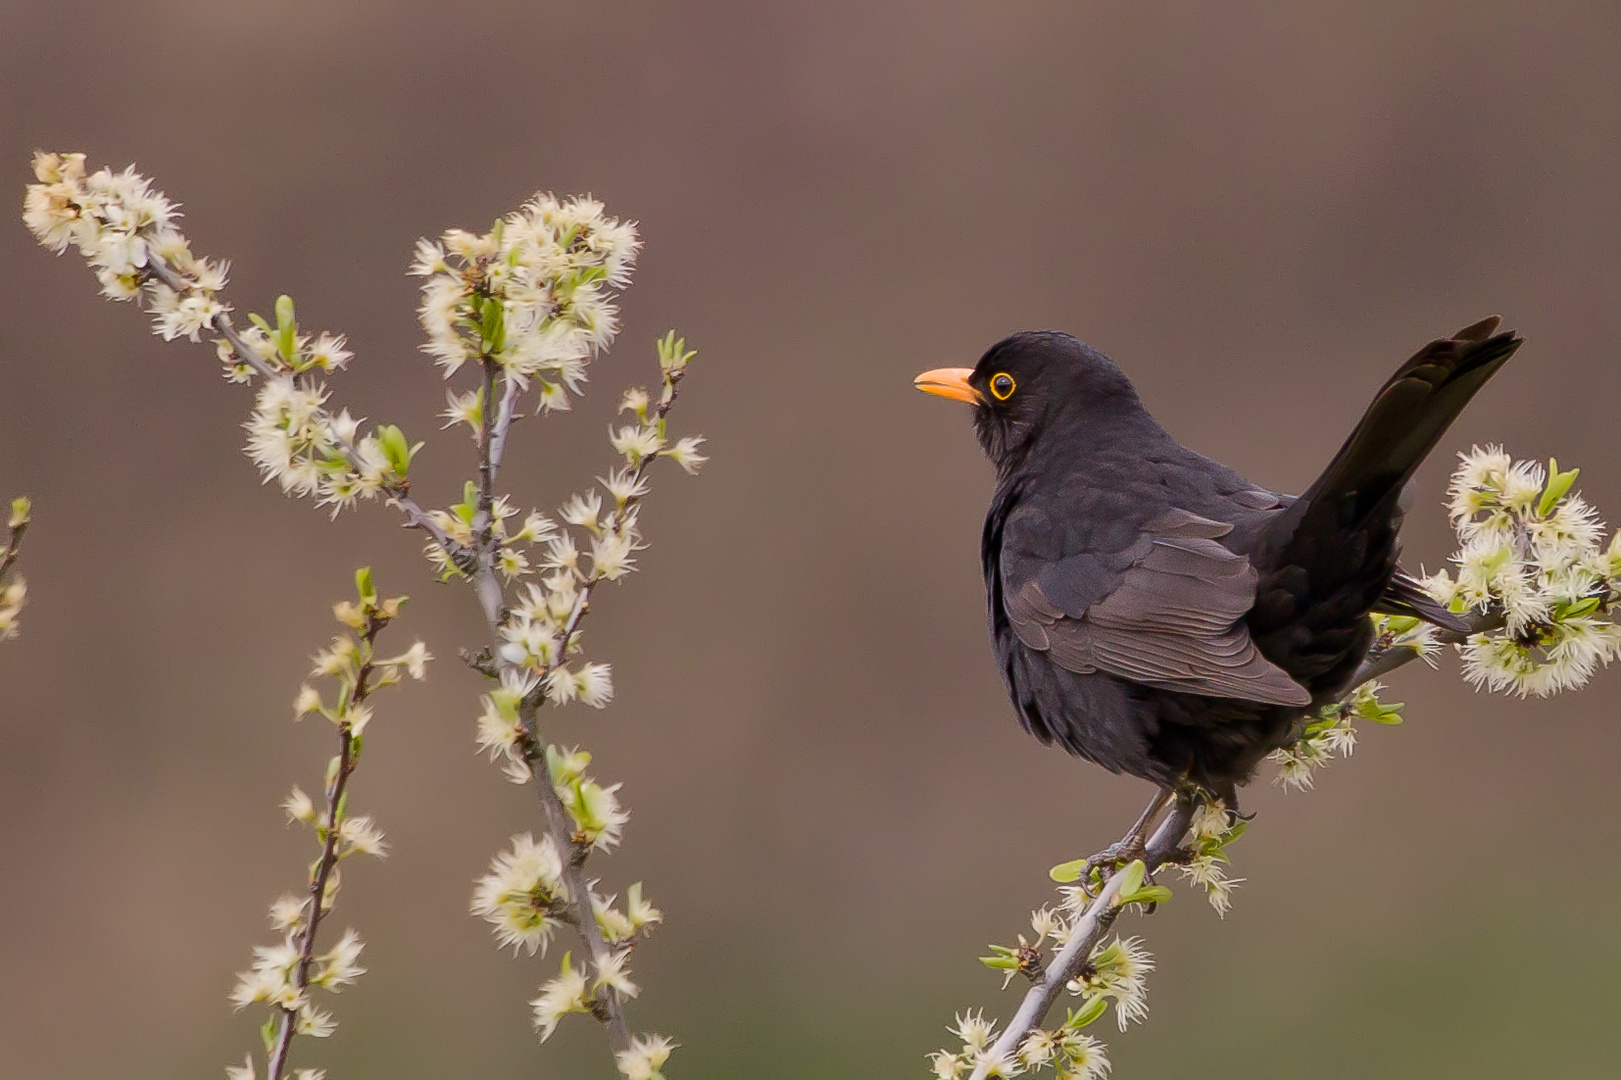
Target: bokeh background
[(1257, 208)]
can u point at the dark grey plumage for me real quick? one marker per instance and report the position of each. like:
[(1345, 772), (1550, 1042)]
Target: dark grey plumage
[(1154, 611)]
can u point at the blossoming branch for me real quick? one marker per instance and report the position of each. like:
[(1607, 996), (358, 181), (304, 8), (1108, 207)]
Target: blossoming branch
[(523, 307), (284, 975)]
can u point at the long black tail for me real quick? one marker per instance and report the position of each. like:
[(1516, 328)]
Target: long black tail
[(1408, 417), (1331, 557)]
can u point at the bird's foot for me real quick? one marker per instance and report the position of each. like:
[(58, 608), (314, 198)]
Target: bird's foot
[(1179, 856), (1116, 855)]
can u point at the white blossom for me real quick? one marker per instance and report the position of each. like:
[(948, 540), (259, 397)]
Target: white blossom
[(558, 997), (1119, 970), (522, 895), (645, 1057)]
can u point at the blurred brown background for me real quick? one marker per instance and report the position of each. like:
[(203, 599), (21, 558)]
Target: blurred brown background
[(1257, 208)]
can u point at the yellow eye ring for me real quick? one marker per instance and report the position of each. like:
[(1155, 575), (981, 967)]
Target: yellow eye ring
[(1002, 386)]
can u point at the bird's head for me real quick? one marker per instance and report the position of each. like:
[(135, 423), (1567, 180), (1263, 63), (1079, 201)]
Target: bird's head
[(1035, 382)]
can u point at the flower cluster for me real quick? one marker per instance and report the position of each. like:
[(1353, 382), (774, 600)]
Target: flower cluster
[(1070, 1053), (536, 886), (13, 589), (1531, 550), (597, 542), (644, 1058), (283, 974), (524, 896), (1531, 562), (122, 228), (1333, 731), (128, 234), (1102, 975), (598, 539), (532, 297), (1214, 827)]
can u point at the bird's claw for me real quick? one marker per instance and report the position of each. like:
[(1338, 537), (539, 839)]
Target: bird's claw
[(1180, 856), (1116, 855)]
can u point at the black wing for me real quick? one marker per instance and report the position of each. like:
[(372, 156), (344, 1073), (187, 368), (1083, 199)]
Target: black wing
[(1166, 611)]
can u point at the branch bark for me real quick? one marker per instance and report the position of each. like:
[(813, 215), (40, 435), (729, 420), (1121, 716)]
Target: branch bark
[(13, 547), (559, 824), (1382, 661), (582, 914), (277, 1063), (1086, 933)]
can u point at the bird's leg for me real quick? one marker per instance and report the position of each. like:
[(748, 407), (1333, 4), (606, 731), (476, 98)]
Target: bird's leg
[(1134, 843), (1179, 854)]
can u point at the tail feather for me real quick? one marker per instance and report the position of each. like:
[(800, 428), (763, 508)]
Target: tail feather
[(1408, 417), (1331, 557), (1406, 596)]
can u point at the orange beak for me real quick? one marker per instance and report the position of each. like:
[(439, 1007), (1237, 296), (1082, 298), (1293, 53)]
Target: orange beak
[(949, 382)]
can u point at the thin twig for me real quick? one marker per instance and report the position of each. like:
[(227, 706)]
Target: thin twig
[(503, 424), (557, 816), (492, 442), (581, 912), (323, 868), (1382, 661), (398, 493), (1087, 931), (13, 548), (486, 586), (582, 601)]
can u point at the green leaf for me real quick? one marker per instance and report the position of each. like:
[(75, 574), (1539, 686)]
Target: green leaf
[(1131, 879), (1575, 611), (21, 506), (1066, 872), (392, 441), (364, 587), (1094, 1008), (267, 1032), (492, 324), (1371, 707), (1151, 894), (1558, 487), (286, 328), (506, 702), (1400, 624), (1000, 963), (1317, 727), (673, 353)]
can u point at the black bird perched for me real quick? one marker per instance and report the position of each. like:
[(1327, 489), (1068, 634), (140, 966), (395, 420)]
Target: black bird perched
[(1152, 610)]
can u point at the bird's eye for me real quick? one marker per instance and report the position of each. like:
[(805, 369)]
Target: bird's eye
[(1002, 386)]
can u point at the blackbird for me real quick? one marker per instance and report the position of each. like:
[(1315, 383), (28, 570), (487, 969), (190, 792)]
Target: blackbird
[(1152, 610)]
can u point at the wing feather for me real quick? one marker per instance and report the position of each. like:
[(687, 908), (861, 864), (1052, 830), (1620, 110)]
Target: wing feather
[(1171, 616)]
